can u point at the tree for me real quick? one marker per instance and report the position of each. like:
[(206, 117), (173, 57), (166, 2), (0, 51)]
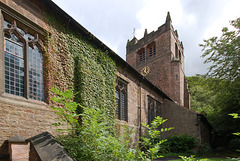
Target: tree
[(202, 97), (224, 53)]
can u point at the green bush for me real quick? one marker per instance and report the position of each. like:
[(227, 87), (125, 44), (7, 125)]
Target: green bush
[(179, 144), (151, 143), (235, 143), (93, 138), (204, 149)]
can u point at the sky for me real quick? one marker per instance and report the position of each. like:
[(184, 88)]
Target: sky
[(115, 21)]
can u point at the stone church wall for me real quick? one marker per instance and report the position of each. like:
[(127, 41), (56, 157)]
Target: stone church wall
[(24, 119), (182, 119), (29, 118), (166, 67)]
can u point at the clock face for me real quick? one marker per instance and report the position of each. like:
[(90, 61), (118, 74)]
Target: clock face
[(145, 71)]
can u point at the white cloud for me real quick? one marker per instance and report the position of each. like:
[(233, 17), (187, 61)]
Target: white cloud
[(154, 13), (229, 12), (190, 20), (113, 21)]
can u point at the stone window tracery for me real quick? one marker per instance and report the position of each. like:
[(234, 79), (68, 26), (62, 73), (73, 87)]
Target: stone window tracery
[(121, 100), (23, 62)]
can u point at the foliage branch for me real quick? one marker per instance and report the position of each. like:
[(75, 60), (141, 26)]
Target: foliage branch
[(92, 139), (224, 53)]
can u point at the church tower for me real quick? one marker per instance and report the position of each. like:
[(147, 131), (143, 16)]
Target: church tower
[(159, 56)]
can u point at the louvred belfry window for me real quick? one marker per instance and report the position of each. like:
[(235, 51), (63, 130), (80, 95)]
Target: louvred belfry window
[(151, 49), (121, 101), (23, 62), (142, 56)]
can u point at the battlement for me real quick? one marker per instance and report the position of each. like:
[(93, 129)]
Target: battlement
[(159, 57), (134, 44)]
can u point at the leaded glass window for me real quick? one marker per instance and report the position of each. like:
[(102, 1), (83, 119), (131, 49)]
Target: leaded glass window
[(154, 109), (36, 90), (14, 66), (121, 101), (23, 63)]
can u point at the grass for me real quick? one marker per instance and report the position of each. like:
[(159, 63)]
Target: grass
[(209, 159)]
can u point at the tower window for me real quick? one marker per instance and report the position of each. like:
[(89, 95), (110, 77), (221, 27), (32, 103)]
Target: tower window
[(23, 63), (121, 101), (142, 56), (151, 49)]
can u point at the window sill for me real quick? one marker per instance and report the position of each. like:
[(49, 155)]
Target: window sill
[(21, 101)]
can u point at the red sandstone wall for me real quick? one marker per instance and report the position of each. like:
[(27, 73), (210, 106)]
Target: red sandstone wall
[(28, 119), (24, 119), (166, 71), (28, 8), (137, 101), (182, 119)]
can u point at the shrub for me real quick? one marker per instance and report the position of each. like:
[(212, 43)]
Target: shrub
[(235, 143), (204, 149), (179, 144), (93, 139), (152, 141)]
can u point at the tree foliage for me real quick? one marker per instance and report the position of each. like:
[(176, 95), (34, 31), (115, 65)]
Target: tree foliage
[(224, 53), (218, 92), (202, 97), (217, 98)]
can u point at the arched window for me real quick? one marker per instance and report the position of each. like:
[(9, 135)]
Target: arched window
[(23, 63), (121, 100)]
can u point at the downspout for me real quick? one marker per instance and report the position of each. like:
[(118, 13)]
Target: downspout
[(140, 110)]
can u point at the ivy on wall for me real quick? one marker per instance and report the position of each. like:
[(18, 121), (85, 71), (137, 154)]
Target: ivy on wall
[(74, 62)]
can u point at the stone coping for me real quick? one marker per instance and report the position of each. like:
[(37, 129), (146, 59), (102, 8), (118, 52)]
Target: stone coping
[(48, 148)]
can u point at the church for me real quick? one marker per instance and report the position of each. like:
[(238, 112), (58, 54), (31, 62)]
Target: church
[(37, 53)]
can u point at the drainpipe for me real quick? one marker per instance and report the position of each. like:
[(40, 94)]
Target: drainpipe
[(140, 109)]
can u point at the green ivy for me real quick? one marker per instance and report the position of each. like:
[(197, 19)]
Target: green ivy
[(75, 63)]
